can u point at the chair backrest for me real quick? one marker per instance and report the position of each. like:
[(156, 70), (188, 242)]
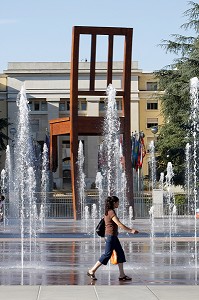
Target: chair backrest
[(94, 32)]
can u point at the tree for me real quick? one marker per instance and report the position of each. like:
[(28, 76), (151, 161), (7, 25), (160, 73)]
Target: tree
[(174, 80), (3, 137)]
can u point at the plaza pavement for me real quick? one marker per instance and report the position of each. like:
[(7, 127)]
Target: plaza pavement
[(63, 268), (73, 292)]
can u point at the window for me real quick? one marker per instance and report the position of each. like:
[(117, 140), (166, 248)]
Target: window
[(38, 105), (152, 122), (151, 86), (102, 105), (82, 104), (152, 104), (119, 104), (64, 105), (43, 105), (34, 124)]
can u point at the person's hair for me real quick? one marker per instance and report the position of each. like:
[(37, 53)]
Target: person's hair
[(109, 203), (2, 197)]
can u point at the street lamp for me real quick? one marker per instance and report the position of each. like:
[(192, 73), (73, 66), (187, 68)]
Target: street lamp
[(154, 130)]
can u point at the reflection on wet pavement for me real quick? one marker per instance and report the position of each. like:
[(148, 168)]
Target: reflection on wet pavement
[(62, 261)]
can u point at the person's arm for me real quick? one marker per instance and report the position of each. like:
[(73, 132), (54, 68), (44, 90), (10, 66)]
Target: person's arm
[(122, 226)]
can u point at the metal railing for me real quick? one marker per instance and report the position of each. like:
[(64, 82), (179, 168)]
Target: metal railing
[(60, 205)]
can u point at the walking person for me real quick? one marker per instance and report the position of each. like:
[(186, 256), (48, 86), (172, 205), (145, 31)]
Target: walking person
[(112, 242)]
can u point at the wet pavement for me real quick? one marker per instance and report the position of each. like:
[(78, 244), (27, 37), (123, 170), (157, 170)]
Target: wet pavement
[(65, 249)]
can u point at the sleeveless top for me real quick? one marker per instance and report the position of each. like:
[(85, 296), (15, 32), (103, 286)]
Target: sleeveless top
[(111, 228)]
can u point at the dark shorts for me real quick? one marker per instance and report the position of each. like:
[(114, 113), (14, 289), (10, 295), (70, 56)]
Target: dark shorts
[(112, 242)]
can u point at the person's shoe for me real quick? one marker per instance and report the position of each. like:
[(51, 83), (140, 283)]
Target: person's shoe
[(92, 276), (125, 278)]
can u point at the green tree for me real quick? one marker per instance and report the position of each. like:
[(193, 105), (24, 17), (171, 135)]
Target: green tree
[(174, 80), (3, 137)]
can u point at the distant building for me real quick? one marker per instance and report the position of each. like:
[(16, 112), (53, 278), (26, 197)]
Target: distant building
[(48, 91), (149, 111), (3, 111)]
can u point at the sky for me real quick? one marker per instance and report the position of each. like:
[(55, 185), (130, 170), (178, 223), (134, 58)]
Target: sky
[(41, 30)]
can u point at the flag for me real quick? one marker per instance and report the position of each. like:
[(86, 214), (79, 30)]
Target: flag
[(47, 140), (135, 150), (142, 152), (138, 150)]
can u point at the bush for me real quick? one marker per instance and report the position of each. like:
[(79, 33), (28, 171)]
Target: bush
[(180, 199)]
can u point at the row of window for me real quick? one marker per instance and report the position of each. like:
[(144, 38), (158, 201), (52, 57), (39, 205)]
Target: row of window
[(64, 105), (151, 122), (151, 86), (38, 105)]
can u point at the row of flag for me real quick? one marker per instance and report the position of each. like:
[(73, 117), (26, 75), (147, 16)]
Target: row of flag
[(138, 150)]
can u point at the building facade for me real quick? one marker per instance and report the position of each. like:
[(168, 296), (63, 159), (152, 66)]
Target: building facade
[(3, 111), (149, 112), (48, 91)]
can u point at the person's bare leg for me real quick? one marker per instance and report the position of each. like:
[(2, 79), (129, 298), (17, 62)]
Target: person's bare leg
[(122, 274), (121, 269), (95, 267)]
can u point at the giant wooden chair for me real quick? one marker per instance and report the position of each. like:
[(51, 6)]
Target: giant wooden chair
[(81, 125)]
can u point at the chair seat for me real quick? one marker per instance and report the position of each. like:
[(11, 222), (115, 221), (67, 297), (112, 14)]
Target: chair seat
[(86, 125)]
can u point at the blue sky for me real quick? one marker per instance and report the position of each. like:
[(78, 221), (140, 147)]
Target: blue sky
[(40, 30)]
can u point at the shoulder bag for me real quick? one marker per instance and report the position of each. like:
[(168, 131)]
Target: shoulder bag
[(100, 229)]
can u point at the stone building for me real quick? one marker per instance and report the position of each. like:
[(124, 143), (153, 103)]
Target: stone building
[(3, 111), (48, 91)]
